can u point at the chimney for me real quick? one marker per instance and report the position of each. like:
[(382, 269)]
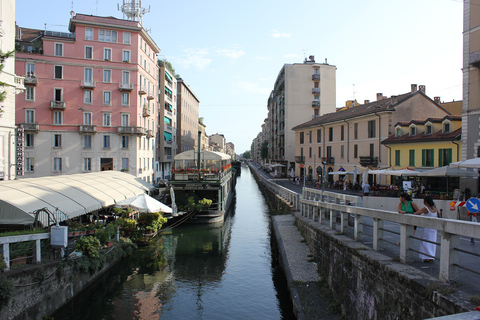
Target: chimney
[(394, 100), (366, 101), (311, 58), (379, 96), (421, 88), (413, 87), (436, 99)]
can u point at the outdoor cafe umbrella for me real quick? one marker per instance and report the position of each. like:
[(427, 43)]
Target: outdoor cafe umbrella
[(470, 163), (447, 172), (355, 172), (145, 203)]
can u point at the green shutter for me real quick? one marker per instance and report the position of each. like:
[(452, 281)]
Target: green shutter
[(449, 155), (433, 157), (423, 157), (440, 157)]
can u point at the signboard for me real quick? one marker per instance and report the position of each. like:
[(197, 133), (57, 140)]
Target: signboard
[(20, 141), (473, 205), (407, 185)]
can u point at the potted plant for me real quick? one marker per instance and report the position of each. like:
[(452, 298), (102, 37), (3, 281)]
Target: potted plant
[(89, 246)]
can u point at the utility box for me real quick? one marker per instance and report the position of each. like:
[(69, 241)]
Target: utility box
[(59, 236)]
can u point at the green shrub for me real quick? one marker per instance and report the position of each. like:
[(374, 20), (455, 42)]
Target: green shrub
[(89, 246), (127, 224), (6, 291), (205, 202), (151, 221), (3, 265)]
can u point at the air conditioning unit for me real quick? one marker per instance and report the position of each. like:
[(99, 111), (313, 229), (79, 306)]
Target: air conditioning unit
[(59, 236)]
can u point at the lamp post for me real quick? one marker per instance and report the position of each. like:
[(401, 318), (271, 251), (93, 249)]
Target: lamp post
[(323, 178)]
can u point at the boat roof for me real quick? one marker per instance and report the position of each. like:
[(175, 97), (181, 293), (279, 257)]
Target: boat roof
[(204, 155)]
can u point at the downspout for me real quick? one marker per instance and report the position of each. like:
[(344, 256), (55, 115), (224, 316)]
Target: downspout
[(348, 140), (389, 156), (379, 137), (323, 140), (458, 148)]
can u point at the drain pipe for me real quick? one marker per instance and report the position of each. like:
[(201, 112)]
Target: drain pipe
[(458, 148), (198, 153)]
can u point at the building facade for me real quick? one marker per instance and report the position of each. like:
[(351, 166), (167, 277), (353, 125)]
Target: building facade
[(302, 92), (218, 142), (188, 106), (90, 102), (10, 138)]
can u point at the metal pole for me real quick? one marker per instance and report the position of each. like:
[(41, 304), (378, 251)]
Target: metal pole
[(323, 178), (314, 169)]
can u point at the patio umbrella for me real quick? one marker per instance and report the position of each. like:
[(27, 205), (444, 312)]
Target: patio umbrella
[(145, 203), (470, 163), (355, 172), (365, 176), (403, 172), (447, 172)]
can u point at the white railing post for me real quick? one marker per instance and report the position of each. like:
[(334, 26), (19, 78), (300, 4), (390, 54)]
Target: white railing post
[(377, 234), (331, 218), (38, 251), (343, 220), (449, 257), (358, 226), (6, 255), (406, 242)]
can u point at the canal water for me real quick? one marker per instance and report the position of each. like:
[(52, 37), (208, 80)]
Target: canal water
[(197, 272)]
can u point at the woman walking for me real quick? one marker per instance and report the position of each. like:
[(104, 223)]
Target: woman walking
[(428, 249)]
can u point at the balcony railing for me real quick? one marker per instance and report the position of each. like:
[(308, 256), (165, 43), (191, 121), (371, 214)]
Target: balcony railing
[(146, 111), (142, 90), (315, 90), (300, 159), (315, 76), (87, 128), (19, 84), (31, 80), (30, 127), (150, 95), (125, 86), (368, 161), (132, 130), (149, 133), (88, 84), (316, 103), (58, 105), (328, 160)]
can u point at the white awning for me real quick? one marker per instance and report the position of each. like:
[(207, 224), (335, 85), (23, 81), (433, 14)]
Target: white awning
[(204, 155), (74, 195)]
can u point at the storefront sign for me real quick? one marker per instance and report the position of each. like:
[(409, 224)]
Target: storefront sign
[(20, 151)]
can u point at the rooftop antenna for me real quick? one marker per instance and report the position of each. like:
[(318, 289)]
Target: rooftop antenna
[(133, 10), (72, 13)]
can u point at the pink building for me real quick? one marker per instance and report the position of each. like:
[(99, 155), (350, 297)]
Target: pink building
[(90, 102)]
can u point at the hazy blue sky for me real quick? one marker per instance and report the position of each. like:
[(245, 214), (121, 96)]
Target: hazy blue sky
[(230, 52)]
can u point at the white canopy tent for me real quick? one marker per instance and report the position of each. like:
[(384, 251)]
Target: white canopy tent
[(75, 194), (447, 171), (144, 203), (470, 163), (204, 155)]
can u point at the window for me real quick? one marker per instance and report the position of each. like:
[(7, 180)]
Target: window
[(428, 158), (371, 129), (444, 157), (446, 127), (319, 136), (329, 153), (87, 141), (126, 37), (125, 77), (107, 75), (107, 36), (330, 134), (57, 141), (57, 117), (125, 120), (124, 164), (372, 149), (88, 74), (29, 93), (355, 131), (342, 133), (29, 164), (124, 142), (125, 98), (397, 157), (30, 69), (87, 96), (88, 52), (107, 98), (87, 164), (107, 54), (57, 164), (411, 158), (413, 130), (29, 116), (302, 137), (355, 151), (106, 141), (106, 119), (87, 118), (310, 136), (398, 132), (59, 49), (319, 152), (58, 74), (88, 34), (29, 139), (126, 56), (342, 151), (57, 94), (428, 129), (310, 152)]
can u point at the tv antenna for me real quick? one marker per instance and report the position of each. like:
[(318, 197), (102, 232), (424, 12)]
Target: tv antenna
[(133, 10)]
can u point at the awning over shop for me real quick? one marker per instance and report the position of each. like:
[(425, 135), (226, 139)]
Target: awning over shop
[(74, 195), (168, 136)]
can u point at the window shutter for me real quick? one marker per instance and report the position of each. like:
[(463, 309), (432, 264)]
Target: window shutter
[(440, 157), (449, 154), (423, 157), (433, 157)]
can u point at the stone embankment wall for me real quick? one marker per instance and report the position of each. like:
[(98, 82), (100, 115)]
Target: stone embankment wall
[(39, 290)]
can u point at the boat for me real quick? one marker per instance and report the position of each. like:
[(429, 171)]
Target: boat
[(237, 166), (200, 175)]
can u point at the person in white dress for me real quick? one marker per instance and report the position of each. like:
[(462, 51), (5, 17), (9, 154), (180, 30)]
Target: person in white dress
[(428, 249)]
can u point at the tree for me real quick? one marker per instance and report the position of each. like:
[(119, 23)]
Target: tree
[(247, 155), (264, 150), (168, 65), (3, 57)]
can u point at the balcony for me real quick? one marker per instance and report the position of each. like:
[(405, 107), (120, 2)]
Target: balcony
[(19, 84), (315, 76), (142, 90), (168, 128), (125, 86), (328, 160), (474, 59), (146, 111), (368, 161), (30, 127), (150, 96), (316, 103), (57, 105), (87, 129), (88, 84), (132, 130), (31, 80), (300, 159), (315, 90), (150, 134)]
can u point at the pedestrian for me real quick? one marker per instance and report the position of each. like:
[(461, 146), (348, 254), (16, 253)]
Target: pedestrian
[(473, 217), (428, 249), (317, 185), (366, 188), (407, 206)]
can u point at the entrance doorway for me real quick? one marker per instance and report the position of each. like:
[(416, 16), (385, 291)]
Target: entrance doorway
[(106, 164)]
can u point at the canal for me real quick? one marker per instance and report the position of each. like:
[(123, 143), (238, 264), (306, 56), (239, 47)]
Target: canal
[(197, 272)]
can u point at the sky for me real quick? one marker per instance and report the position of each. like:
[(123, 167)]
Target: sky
[(230, 52)]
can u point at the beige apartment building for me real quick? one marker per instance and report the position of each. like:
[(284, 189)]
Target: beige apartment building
[(218, 142), (471, 87), (351, 138), (188, 106), (302, 92)]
